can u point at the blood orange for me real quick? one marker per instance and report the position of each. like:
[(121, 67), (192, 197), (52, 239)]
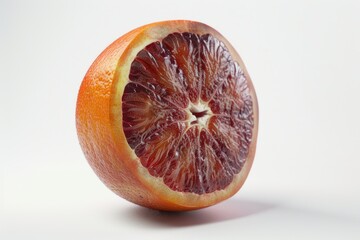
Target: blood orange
[(167, 116)]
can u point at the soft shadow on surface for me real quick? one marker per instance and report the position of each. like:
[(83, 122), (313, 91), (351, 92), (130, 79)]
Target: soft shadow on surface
[(228, 210)]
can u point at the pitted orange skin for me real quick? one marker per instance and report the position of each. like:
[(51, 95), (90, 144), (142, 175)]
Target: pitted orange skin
[(99, 118)]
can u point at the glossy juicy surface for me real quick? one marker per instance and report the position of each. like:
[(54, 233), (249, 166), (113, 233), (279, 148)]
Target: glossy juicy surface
[(187, 112)]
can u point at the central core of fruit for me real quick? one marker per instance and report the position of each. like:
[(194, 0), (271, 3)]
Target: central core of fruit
[(199, 114), (187, 112)]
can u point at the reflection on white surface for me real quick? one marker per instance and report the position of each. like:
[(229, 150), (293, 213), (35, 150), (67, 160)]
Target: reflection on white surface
[(254, 219)]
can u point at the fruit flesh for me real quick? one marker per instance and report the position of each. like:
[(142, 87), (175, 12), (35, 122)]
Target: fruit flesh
[(187, 112)]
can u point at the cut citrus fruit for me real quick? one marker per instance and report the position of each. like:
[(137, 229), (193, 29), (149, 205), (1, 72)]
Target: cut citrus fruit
[(167, 117)]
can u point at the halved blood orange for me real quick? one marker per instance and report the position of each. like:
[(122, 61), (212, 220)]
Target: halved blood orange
[(167, 116)]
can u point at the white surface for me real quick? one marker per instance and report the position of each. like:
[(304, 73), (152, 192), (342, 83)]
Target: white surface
[(303, 57)]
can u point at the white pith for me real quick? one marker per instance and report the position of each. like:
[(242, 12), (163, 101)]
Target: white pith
[(198, 107)]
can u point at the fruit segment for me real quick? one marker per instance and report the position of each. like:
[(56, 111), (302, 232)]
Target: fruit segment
[(188, 112)]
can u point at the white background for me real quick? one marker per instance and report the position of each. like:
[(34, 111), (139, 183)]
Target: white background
[(304, 59)]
